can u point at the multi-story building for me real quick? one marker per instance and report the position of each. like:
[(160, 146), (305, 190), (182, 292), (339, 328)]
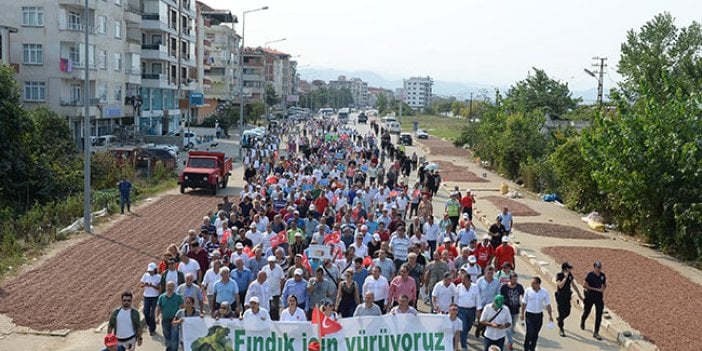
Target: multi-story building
[(218, 58), (373, 94), (254, 75), (278, 72), (48, 52), (168, 69), (417, 92), (5, 32), (358, 88)]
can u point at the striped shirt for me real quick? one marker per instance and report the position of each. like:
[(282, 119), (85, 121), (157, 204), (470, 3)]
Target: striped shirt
[(399, 247)]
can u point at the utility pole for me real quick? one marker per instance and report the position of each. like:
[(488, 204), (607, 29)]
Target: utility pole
[(86, 126), (470, 108), (599, 75)]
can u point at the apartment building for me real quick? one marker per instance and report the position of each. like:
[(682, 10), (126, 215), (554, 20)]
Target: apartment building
[(358, 88), (5, 32), (48, 52), (417, 92), (278, 72), (168, 68), (218, 58), (254, 74)]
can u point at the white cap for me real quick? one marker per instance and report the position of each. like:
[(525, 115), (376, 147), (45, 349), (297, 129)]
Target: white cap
[(465, 215), (376, 236), (486, 237), (447, 239), (271, 258), (253, 225), (152, 266), (472, 259), (253, 299), (505, 239), (239, 246), (298, 271)]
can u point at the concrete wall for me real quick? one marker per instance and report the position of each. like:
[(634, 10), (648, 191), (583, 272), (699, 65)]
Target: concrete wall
[(165, 139)]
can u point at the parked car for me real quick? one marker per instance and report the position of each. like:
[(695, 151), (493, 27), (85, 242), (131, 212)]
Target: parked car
[(362, 118), (189, 139), (421, 134), (393, 127), (406, 139)]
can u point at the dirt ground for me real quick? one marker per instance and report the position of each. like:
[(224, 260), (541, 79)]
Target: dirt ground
[(452, 173), (654, 299), (439, 147), (81, 285), (517, 208), (557, 231)]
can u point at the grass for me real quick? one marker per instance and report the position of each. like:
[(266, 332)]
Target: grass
[(448, 128)]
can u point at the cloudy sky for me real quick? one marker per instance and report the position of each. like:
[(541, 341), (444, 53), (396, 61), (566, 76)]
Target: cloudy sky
[(492, 42)]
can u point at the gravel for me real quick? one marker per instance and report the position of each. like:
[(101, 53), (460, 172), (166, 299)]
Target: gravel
[(79, 287), (452, 173), (440, 147), (655, 299), (557, 231), (517, 208)]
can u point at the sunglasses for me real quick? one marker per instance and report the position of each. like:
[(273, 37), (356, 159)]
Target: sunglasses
[(126, 300)]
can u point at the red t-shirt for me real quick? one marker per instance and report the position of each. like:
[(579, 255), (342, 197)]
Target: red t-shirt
[(384, 235), (482, 254), (321, 203), (453, 252), (504, 253), (467, 201)]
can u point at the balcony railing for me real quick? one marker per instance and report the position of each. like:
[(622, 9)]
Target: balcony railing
[(71, 102), (133, 71), (153, 76), (75, 27), (152, 47), (151, 16)]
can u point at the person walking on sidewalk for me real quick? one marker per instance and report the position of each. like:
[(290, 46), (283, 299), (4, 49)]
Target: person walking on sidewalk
[(564, 282), (150, 281), (535, 300), (125, 323), (125, 189), (512, 292), (496, 318), (595, 285)]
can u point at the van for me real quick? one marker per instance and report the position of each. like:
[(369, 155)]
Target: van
[(393, 127)]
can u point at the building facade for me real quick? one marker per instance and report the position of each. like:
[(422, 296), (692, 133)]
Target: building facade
[(5, 32), (48, 52), (358, 88), (417, 92)]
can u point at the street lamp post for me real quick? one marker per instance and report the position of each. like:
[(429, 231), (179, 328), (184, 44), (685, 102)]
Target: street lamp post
[(274, 41), (241, 72)]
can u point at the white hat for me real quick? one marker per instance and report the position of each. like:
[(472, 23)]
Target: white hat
[(447, 239), (486, 237), (505, 239), (271, 258), (253, 225), (465, 215), (298, 271), (364, 227), (253, 299), (239, 246), (152, 266), (472, 259), (376, 236)]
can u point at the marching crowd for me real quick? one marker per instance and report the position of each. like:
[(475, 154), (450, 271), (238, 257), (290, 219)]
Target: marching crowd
[(256, 258)]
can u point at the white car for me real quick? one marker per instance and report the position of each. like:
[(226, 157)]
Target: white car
[(421, 134), (393, 127)]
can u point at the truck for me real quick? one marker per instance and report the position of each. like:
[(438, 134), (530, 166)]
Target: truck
[(205, 170), (343, 115)]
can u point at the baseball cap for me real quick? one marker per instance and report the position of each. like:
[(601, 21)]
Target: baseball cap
[(271, 258), (376, 236), (472, 259), (253, 225), (253, 299), (239, 246), (110, 340), (152, 266), (298, 271), (598, 264), (566, 265), (486, 237), (505, 239), (465, 215), (298, 235), (447, 240)]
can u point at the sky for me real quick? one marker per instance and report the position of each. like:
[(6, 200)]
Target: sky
[(493, 42)]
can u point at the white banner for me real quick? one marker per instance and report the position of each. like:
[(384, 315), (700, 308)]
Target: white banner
[(393, 333), (321, 252)]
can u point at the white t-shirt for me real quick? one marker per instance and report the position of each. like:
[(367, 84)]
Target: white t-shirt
[(210, 279), (360, 251), (298, 316), (536, 301), (456, 325), (254, 236), (444, 295), (153, 280), (262, 315), (191, 267), (125, 328), (503, 318)]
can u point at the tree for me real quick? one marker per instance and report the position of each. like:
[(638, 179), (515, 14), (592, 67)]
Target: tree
[(271, 96), (663, 56), (542, 93), (256, 109)]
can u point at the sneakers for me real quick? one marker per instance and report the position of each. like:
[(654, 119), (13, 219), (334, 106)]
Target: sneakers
[(597, 336), (561, 333)]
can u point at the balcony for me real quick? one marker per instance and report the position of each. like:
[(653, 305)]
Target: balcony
[(77, 3), (132, 14), (155, 52), (71, 102), (154, 22), (155, 80), (133, 71), (75, 27)]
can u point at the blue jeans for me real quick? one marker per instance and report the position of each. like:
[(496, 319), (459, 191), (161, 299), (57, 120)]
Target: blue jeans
[(534, 321), (467, 316), (170, 334), (150, 312), (124, 200), (489, 342), (510, 331)]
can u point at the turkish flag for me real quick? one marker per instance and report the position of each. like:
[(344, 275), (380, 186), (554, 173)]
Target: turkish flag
[(333, 238), (279, 238), (306, 262), (326, 324), (248, 251), (367, 261)]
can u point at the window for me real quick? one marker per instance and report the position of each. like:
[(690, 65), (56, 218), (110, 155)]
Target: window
[(102, 25), (102, 59), (74, 55), (102, 93), (75, 94), (33, 54), (118, 93), (118, 29), (34, 91), (32, 16), (74, 22), (118, 61)]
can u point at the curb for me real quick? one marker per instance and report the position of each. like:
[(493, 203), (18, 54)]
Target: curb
[(625, 336)]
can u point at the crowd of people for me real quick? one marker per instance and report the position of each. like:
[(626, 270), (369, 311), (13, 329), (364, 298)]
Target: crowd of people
[(334, 186)]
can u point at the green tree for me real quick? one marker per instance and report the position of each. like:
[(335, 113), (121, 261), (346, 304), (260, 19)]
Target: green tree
[(542, 93), (256, 109), (382, 104), (271, 96)]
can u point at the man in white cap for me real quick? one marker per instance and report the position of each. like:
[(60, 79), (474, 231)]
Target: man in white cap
[(254, 235), (255, 312), (296, 286), (275, 277), (367, 237), (239, 254), (467, 202), (505, 253), (466, 234), (260, 289), (151, 281), (472, 269)]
